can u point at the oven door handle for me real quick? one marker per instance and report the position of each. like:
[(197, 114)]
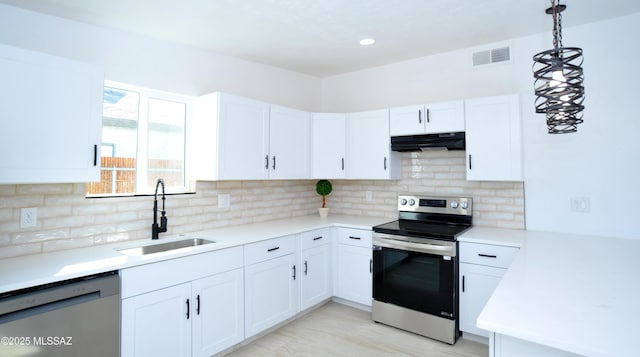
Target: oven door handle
[(436, 249)]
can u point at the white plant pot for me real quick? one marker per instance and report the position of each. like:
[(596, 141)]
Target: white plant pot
[(323, 212)]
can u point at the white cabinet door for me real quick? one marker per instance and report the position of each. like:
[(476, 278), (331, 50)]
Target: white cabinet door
[(218, 312), (441, 117), (315, 277), (407, 120), (444, 117), (354, 274), (156, 323), (51, 116), (477, 284), (494, 138), (288, 143), (270, 293), (229, 138), (369, 154), (328, 140)]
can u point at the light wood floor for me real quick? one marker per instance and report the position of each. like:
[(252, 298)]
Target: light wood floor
[(338, 330)]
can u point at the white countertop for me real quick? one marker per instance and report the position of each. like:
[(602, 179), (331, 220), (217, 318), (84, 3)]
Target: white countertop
[(579, 294), (495, 236), (23, 272)]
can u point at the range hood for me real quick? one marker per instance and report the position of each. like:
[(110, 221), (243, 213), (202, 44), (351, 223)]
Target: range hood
[(442, 141)]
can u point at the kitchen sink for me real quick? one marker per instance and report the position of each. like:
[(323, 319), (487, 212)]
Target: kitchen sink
[(164, 247)]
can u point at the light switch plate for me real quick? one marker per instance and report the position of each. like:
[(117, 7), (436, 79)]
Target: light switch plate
[(580, 204), (224, 201), (28, 217)]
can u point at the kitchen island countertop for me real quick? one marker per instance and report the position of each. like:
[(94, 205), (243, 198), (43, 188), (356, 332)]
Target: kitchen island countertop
[(573, 293)]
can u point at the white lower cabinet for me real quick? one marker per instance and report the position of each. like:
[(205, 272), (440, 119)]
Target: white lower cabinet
[(315, 265), (353, 266), (219, 316), (270, 283), (155, 323), (481, 268), (170, 309)]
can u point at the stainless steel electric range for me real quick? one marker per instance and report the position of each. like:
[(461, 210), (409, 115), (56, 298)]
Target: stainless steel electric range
[(415, 266)]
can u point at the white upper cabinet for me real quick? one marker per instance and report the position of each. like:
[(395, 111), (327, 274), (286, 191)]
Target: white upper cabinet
[(236, 138), (328, 145), (289, 143), (494, 138), (442, 117), (229, 138), (51, 116), (369, 154)]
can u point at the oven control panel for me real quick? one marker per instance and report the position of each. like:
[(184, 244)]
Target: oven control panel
[(435, 204)]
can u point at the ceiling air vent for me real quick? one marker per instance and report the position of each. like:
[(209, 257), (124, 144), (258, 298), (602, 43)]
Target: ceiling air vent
[(494, 55)]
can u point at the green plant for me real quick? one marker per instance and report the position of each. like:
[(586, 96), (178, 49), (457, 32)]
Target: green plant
[(324, 188)]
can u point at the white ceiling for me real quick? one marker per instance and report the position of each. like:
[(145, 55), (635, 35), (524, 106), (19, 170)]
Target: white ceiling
[(320, 37)]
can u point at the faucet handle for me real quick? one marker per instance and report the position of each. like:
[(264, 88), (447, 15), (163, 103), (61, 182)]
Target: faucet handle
[(163, 223)]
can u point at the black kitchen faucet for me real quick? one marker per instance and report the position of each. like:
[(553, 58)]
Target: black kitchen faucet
[(155, 229)]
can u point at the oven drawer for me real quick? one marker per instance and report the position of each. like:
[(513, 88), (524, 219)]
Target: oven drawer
[(487, 254), (269, 249), (355, 237)]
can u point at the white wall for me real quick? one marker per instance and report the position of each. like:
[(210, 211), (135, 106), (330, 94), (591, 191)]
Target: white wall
[(600, 162), (146, 62)]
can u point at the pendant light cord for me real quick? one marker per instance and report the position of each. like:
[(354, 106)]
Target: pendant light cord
[(557, 24)]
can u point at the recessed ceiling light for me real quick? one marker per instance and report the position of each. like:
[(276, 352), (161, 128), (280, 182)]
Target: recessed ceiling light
[(367, 41)]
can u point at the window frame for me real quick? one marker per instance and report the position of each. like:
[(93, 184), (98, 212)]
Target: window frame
[(142, 142)]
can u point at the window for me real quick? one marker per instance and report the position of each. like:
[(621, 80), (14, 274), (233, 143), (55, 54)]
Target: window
[(143, 139)]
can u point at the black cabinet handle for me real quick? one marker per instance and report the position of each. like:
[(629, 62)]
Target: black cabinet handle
[(343, 164), (419, 116), (305, 267), (317, 238), (272, 249), (487, 255), (370, 265), (463, 283), (188, 309), (274, 162), (95, 155), (198, 304), (266, 162), (294, 272), (428, 115), (353, 237), (469, 161), (385, 163)]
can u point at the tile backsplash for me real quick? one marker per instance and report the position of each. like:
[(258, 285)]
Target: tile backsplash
[(66, 219)]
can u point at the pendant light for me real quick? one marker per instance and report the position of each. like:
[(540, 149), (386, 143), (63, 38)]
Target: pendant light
[(559, 80)]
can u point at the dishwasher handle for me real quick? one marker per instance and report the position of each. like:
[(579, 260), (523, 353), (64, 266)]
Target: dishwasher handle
[(37, 300)]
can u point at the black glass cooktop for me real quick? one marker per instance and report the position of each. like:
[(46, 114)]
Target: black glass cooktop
[(422, 229)]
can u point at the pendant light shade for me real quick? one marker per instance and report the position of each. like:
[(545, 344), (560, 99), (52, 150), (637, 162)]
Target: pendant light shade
[(559, 80)]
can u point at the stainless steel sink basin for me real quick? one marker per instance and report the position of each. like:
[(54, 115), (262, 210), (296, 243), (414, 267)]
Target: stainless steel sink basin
[(164, 247)]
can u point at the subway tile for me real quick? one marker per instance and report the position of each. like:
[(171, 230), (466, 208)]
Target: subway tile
[(17, 250)]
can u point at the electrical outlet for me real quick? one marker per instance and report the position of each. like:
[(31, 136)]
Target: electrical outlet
[(28, 217), (580, 204), (224, 201), (368, 195)]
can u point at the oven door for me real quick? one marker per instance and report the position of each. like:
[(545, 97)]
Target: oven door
[(416, 275)]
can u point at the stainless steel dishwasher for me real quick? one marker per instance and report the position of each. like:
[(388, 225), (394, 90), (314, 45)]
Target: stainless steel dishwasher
[(72, 318)]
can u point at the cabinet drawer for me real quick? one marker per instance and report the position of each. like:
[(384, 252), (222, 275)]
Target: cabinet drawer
[(145, 278), (355, 237), (269, 249), (487, 254), (315, 238)]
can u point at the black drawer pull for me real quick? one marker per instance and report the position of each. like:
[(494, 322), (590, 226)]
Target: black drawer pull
[(487, 255), (352, 237), (317, 238), (188, 309), (272, 249)]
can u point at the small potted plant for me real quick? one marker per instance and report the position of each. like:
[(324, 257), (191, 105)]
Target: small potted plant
[(323, 188)]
